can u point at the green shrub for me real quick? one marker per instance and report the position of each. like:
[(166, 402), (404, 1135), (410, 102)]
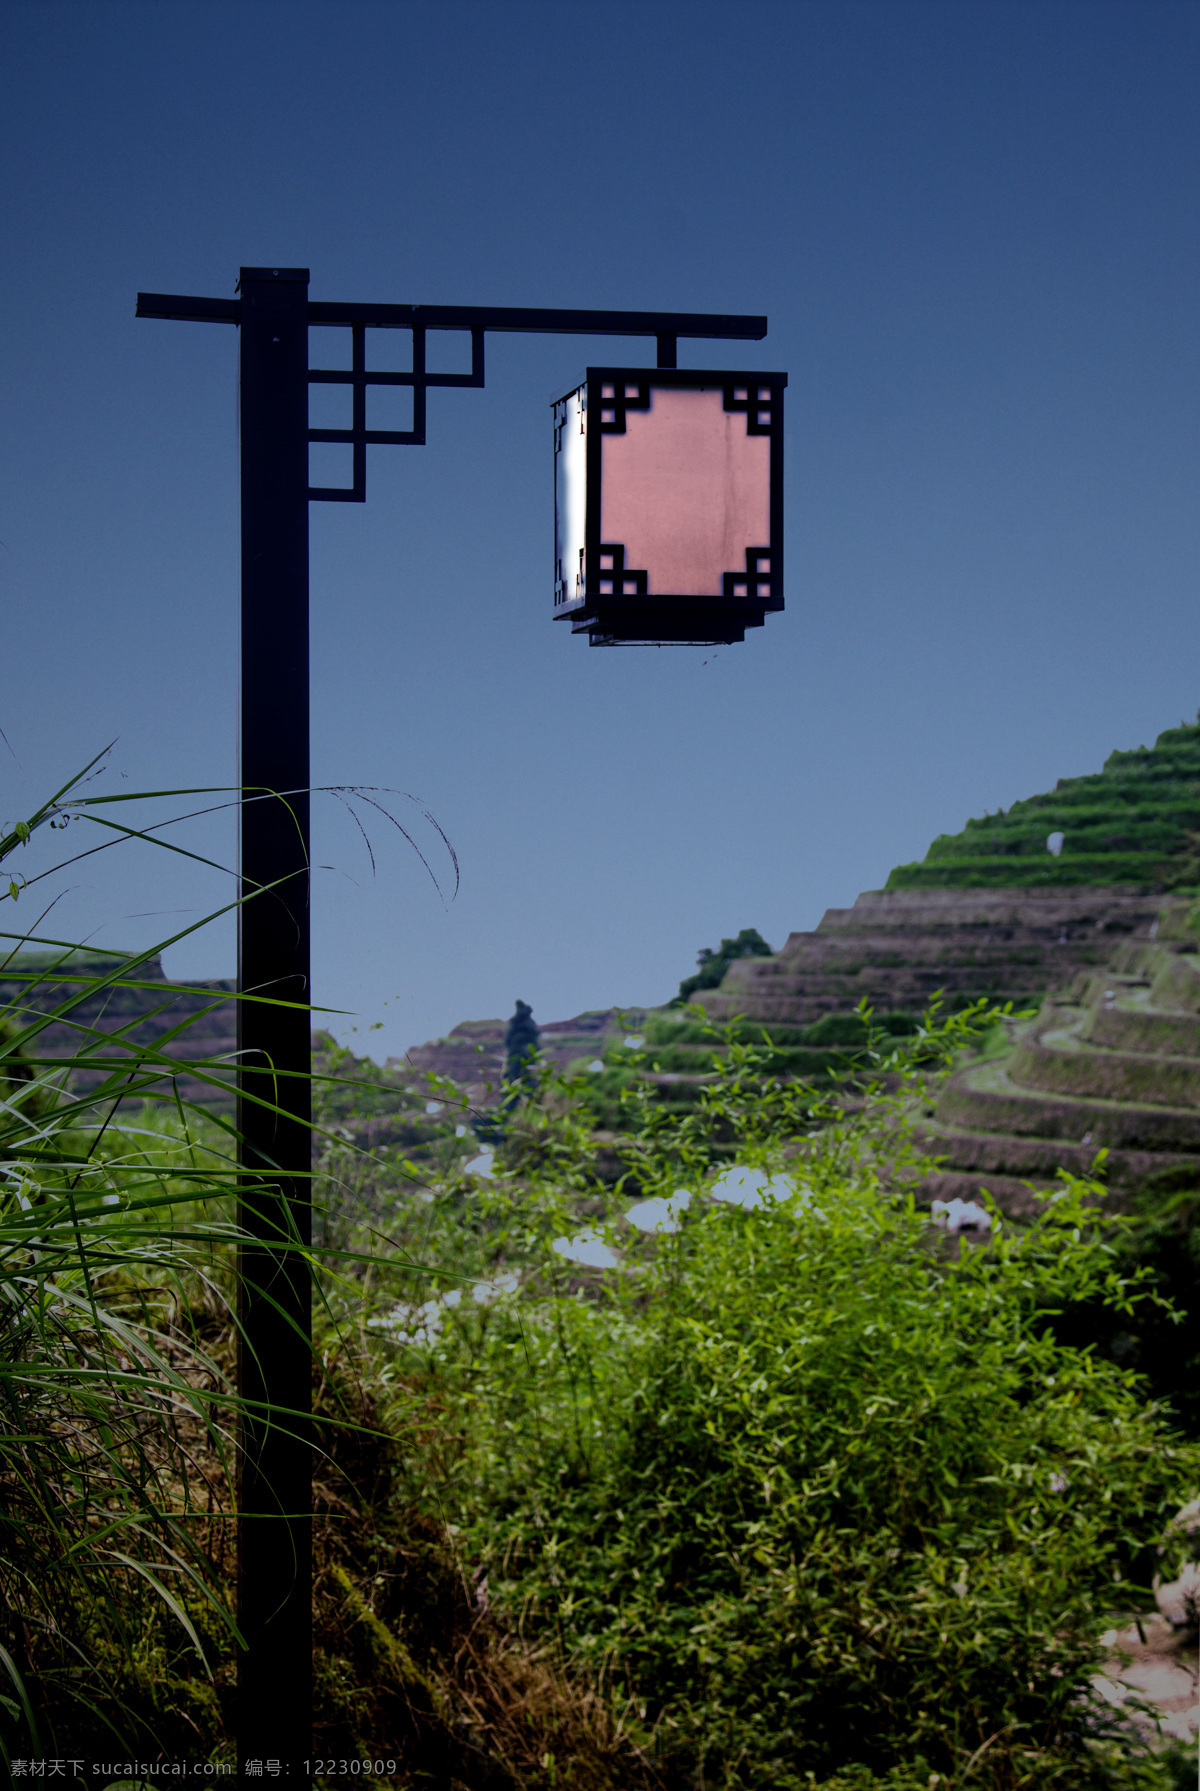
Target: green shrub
[(831, 1030), (1159, 1339), (821, 1495)]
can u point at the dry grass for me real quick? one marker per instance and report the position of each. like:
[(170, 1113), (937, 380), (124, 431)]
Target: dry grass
[(412, 1663)]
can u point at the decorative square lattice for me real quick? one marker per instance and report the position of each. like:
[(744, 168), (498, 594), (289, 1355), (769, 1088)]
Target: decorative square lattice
[(358, 378)]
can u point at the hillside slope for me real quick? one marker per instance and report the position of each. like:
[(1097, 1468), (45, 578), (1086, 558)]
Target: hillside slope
[(38, 984), (896, 949), (1129, 823), (1111, 1062)]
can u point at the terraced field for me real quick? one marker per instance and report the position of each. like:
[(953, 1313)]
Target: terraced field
[(1112, 1063), (1132, 822), (898, 948), (142, 1016)]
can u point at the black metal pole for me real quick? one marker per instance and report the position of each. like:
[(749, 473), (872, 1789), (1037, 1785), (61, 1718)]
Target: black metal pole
[(274, 1531)]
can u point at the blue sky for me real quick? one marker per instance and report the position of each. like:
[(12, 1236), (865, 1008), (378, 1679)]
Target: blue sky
[(973, 229)]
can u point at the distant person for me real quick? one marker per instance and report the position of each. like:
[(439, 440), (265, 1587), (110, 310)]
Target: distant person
[(522, 1041)]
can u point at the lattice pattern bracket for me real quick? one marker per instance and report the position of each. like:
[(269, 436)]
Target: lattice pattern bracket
[(358, 436)]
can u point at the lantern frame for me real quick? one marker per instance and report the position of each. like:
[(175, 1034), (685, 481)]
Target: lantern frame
[(614, 606)]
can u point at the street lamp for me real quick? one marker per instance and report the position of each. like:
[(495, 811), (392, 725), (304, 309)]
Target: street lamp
[(274, 313)]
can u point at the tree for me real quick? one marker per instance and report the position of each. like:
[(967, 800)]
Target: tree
[(712, 965)]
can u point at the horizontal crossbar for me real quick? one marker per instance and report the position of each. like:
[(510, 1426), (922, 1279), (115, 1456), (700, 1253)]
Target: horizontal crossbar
[(698, 325), (321, 376), (402, 436), (666, 326)]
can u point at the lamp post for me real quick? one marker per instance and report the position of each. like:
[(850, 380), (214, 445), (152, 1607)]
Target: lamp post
[(634, 602)]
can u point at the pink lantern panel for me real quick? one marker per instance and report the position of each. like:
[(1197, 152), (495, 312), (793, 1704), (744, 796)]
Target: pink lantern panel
[(685, 491), (668, 512)]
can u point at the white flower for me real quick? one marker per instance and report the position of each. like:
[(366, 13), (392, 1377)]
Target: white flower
[(596, 1064), (483, 1291), (588, 1248), (750, 1187), (481, 1165), (660, 1215), (960, 1215), (409, 1324), (422, 1324)]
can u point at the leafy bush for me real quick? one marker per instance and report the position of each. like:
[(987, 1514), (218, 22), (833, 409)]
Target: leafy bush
[(857, 1027), (1159, 1240), (821, 1493)]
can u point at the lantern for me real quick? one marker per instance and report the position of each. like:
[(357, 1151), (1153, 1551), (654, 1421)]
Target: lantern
[(668, 488)]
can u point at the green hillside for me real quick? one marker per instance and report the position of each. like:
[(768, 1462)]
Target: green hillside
[(1130, 823)]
